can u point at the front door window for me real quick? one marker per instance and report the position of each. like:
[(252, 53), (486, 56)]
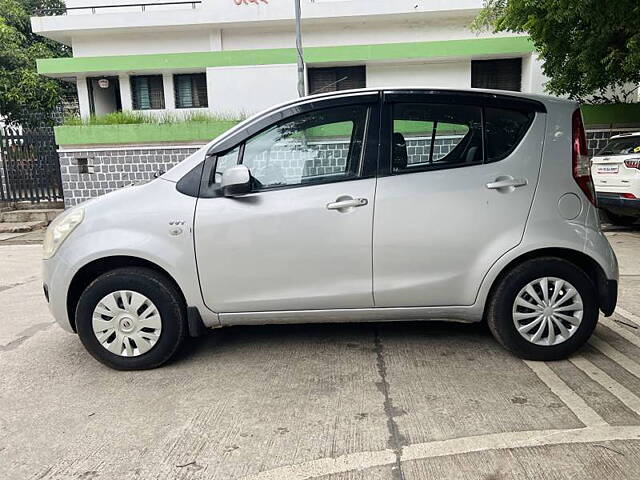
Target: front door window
[(313, 148)]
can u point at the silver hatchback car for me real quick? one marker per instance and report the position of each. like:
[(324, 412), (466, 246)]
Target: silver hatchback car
[(358, 206)]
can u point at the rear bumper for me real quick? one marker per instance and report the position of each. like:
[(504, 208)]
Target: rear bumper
[(614, 202)]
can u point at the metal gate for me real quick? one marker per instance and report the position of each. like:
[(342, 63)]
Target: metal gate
[(29, 165)]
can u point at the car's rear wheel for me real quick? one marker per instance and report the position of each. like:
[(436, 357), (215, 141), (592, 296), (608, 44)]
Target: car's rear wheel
[(131, 319), (621, 220), (543, 309)]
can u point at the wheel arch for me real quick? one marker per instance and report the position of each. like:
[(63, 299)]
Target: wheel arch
[(92, 270), (607, 293)]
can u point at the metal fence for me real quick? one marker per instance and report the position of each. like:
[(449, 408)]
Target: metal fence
[(29, 165)]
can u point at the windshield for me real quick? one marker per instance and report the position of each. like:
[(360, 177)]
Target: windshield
[(622, 146)]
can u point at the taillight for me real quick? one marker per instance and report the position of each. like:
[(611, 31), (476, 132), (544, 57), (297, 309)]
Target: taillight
[(580, 157), (630, 196), (633, 163)]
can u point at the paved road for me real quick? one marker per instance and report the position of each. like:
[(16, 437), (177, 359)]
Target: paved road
[(382, 401)]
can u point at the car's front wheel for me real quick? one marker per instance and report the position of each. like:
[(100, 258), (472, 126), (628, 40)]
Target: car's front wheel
[(131, 319), (543, 309)]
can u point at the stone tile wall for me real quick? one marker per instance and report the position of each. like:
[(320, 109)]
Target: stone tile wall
[(89, 173)]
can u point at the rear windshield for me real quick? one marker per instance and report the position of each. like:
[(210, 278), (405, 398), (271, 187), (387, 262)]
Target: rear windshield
[(622, 146)]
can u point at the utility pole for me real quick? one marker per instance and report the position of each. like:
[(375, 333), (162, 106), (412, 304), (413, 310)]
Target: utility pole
[(301, 89)]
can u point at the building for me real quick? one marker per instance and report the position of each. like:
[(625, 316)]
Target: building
[(231, 58), (236, 57)]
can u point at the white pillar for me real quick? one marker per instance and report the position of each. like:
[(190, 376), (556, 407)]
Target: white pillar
[(215, 40), (169, 97), (538, 79), (125, 93), (525, 82), (83, 96), (216, 45)]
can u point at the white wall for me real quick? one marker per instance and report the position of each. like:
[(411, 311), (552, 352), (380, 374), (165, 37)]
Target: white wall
[(353, 33), (246, 90), (533, 78), (226, 14), (140, 43), (171, 40), (431, 74)]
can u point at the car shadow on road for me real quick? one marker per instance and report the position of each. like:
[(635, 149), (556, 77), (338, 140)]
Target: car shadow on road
[(289, 336), (607, 227)]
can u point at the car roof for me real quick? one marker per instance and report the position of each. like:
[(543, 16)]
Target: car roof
[(546, 99)]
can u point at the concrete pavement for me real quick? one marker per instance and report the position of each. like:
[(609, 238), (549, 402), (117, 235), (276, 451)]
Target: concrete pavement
[(372, 401)]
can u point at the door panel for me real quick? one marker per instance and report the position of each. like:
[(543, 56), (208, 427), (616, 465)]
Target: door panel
[(302, 240), (437, 232), (285, 250)]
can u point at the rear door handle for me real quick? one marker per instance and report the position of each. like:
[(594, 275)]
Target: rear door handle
[(343, 204), (510, 183)]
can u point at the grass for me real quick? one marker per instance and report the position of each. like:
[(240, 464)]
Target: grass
[(135, 118)]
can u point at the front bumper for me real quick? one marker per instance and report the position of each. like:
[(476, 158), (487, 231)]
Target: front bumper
[(56, 276), (618, 204)]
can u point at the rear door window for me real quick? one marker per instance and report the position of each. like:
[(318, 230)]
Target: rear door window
[(427, 136), (432, 136)]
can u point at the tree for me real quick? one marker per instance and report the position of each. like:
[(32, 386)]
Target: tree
[(589, 48), (26, 96)]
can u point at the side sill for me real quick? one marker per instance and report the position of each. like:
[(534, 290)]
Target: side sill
[(450, 314)]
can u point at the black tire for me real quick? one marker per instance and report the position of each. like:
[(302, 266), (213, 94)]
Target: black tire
[(500, 308), (621, 220), (156, 288)]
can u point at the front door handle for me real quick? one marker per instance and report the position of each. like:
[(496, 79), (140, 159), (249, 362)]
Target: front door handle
[(346, 203), (504, 183)]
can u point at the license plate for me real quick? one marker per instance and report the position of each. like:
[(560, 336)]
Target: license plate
[(607, 169)]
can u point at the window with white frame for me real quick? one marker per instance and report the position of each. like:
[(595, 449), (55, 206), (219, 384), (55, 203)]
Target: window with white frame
[(190, 90), (147, 92)]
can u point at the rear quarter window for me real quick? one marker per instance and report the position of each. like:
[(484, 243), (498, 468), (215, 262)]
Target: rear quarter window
[(504, 130)]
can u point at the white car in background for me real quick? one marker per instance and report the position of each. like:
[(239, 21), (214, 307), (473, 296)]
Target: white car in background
[(616, 174)]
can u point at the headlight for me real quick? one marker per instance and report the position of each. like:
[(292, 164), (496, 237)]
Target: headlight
[(60, 229)]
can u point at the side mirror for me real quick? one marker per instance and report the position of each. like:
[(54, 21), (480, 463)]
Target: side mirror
[(236, 181)]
